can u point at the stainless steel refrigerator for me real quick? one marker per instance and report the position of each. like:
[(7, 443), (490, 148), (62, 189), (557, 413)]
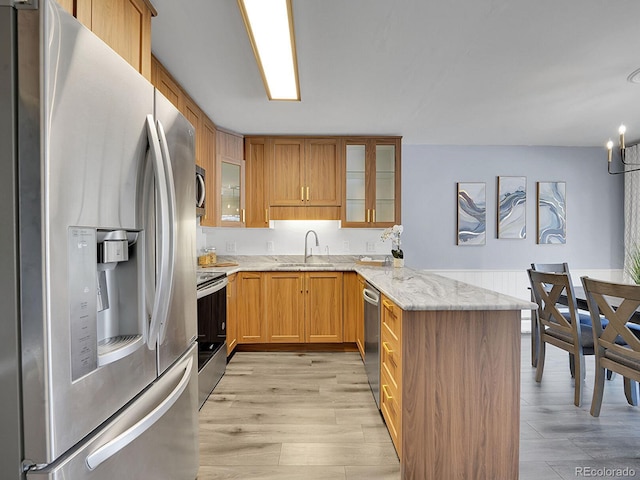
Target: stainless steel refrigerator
[(98, 360)]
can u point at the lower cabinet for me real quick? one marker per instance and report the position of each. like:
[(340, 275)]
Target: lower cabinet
[(251, 319), (304, 307), (289, 307), (323, 307), (232, 313), (284, 305), (353, 308), (391, 369)]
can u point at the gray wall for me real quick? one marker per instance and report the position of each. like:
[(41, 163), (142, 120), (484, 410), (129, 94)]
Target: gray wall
[(595, 221)]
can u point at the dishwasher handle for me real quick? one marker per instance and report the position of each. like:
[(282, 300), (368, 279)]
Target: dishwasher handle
[(371, 296)]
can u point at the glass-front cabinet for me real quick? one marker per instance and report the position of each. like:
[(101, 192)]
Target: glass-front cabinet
[(372, 182), (231, 206)]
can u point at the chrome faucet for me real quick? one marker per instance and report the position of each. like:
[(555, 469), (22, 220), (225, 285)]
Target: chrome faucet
[(305, 243)]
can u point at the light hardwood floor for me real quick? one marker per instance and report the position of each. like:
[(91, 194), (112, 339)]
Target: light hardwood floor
[(290, 416)]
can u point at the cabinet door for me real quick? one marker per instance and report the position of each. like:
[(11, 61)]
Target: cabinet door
[(192, 112), (125, 25), (355, 207), (287, 172), (386, 198), (165, 83), (360, 317), (285, 307), (230, 176), (349, 306), (323, 307), (372, 182), (207, 136), (251, 319), (232, 314), (256, 198), (322, 180)]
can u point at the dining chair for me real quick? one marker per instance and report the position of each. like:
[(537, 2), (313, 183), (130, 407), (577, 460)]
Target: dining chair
[(560, 329), (583, 316), (616, 343), (549, 268)]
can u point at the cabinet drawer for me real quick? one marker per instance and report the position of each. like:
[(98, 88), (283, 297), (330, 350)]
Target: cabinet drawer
[(391, 407), (391, 359), (391, 318)]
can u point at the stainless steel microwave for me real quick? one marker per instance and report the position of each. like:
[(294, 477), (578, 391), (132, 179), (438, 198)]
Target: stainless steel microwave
[(201, 191)]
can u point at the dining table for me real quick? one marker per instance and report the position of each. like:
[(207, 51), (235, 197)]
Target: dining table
[(582, 304)]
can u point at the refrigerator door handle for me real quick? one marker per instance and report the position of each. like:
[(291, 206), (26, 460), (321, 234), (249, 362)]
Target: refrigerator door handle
[(103, 453), (171, 190), (162, 296)]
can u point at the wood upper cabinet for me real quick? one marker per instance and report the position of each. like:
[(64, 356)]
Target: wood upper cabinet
[(372, 182), (230, 177), (284, 304), (205, 136), (323, 167), (124, 25), (287, 172), (251, 324), (207, 159), (166, 84), (323, 307), (192, 112), (232, 313), (304, 172), (256, 183)]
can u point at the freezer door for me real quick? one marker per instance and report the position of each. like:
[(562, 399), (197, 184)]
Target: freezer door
[(177, 135), (156, 437), (82, 147)]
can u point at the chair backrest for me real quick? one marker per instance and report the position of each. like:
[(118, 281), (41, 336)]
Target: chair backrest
[(547, 289), (550, 267), (617, 302)]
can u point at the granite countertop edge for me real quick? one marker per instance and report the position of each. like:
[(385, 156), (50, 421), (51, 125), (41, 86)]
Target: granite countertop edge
[(410, 289)]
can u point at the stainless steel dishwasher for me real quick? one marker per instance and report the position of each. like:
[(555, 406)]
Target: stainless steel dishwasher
[(372, 338)]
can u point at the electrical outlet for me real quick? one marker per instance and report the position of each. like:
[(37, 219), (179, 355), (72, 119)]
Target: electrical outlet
[(345, 246), (231, 247), (270, 247), (371, 247)]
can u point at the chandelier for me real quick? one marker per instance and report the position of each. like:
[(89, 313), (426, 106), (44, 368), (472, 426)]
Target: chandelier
[(621, 131)]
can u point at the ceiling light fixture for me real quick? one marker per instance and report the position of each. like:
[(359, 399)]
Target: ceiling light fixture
[(269, 25), (621, 145)]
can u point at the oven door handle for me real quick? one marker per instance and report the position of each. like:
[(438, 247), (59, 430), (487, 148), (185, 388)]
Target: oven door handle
[(212, 288)]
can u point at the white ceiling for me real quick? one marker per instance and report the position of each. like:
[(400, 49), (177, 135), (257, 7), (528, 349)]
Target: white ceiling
[(447, 72)]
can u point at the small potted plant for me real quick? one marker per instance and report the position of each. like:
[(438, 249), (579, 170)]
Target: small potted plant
[(394, 234)]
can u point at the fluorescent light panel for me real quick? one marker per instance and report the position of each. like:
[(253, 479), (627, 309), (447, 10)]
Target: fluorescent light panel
[(269, 24)]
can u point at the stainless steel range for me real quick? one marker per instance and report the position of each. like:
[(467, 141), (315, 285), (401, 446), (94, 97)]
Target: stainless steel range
[(212, 331)]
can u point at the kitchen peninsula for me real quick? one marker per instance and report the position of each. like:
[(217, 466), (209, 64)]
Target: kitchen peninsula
[(450, 380)]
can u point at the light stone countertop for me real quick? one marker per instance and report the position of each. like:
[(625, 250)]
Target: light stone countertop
[(408, 288)]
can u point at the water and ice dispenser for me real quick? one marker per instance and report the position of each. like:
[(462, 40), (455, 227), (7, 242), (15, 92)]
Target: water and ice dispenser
[(106, 296)]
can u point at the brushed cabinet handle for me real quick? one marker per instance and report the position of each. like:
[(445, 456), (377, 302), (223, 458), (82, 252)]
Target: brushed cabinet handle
[(368, 215), (373, 216), (307, 194), (302, 194), (266, 215), (243, 215), (386, 392)]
